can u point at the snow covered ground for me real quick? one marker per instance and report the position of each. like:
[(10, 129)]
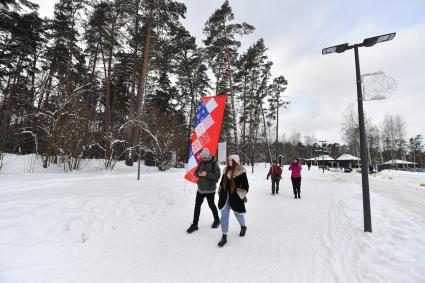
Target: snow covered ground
[(99, 226)]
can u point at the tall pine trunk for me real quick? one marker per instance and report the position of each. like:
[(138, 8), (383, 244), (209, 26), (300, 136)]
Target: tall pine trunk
[(32, 95), (108, 78), (143, 72), (244, 118), (265, 134), (130, 127), (229, 75), (192, 111)]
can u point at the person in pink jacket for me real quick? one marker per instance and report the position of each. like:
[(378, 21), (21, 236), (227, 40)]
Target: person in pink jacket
[(296, 168)]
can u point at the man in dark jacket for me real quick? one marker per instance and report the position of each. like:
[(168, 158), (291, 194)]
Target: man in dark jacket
[(208, 174), (276, 173)]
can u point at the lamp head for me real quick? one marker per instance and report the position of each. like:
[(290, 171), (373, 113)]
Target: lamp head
[(335, 49), (371, 41)]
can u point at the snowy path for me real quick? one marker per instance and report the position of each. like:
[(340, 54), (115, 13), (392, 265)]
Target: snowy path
[(111, 228), (388, 185)]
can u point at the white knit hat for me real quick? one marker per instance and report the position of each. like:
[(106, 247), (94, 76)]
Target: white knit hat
[(235, 158)]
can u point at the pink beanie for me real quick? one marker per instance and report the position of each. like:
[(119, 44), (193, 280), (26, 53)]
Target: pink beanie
[(235, 158)]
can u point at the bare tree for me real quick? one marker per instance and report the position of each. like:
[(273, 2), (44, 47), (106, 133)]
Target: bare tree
[(350, 129), (50, 126), (165, 134), (393, 135), (309, 140)]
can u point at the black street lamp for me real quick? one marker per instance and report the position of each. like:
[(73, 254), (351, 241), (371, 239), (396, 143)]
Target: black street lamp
[(368, 42), (323, 155), (322, 151)]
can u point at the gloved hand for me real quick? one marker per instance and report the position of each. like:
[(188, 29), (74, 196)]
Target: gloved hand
[(241, 193)]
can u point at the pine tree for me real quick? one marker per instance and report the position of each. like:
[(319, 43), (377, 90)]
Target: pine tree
[(160, 20), (21, 39), (222, 49), (193, 80), (278, 86), (63, 87), (63, 49), (416, 148), (251, 84)]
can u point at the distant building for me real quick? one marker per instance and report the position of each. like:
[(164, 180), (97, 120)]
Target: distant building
[(348, 161), (322, 160), (396, 164)]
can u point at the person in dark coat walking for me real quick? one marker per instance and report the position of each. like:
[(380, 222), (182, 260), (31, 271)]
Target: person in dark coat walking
[(232, 196), (370, 169), (276, 173), (308, 165), (296, 168), (208, 174)]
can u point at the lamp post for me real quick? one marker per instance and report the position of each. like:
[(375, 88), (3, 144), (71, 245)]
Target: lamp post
[(322, 151), (277, 125), (323, 155), (368, 42)]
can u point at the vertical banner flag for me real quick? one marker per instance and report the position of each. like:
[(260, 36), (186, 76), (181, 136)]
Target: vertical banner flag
[(222, 152), (207, 131)]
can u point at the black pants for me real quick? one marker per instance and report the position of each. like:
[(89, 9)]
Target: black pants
[(198, 202), (296, 185), (275, 185)]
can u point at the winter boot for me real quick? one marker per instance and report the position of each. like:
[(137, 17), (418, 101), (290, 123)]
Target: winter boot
[(243, 231), (299, 195), (295, 196), (223, 241), (215, 223), (192, 228)]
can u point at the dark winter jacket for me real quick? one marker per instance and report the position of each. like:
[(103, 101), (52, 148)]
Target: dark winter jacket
[(276, 172), (208, 184), (241, 182)]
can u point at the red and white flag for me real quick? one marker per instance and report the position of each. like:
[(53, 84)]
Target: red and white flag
[(209, 118)]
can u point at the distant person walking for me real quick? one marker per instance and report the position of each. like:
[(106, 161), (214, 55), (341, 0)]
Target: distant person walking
[(295, 169), (232, 195), (208, 174), (370, 169), (275, 172), (308, 165)]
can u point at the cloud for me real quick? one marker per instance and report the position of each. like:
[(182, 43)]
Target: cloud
[(321, 87)]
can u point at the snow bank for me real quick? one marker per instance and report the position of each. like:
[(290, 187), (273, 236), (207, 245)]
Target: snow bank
[(32, 164), (404, 179)]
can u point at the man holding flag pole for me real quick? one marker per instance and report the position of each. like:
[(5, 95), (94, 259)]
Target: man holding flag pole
[(208, 174), (202, 167)]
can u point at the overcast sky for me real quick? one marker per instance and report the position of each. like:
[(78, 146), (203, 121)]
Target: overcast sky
[(322, 87)]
